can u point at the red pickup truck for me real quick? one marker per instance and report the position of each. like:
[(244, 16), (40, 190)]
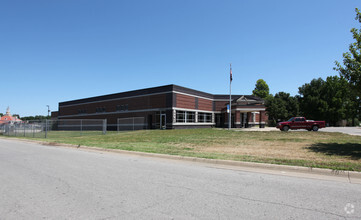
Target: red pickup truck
[(300, 123)]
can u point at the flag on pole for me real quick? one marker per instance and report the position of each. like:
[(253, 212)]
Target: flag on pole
[(231, 73), (230, 97)]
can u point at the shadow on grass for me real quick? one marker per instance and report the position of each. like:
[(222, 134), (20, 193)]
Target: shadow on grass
[(351, 150)]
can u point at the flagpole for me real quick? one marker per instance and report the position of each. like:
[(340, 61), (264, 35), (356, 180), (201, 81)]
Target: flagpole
[(230, 100)]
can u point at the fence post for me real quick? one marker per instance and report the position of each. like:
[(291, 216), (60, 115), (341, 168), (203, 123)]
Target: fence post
[(24, 128), (104, 126), (46, 128), (81, 126)]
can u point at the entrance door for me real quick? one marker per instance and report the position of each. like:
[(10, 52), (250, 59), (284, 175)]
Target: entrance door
[(163, 121), (244, 120), (233, 118), (150, 121), (219, 119)]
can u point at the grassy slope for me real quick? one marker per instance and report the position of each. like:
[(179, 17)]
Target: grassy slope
[(311, 149)]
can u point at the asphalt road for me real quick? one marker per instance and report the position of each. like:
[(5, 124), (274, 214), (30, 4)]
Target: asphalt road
[(345, 130), (46, 182)]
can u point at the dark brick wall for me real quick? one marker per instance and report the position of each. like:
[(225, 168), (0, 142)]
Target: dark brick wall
[(148, 91), (137, 103), (205, 104), (185, 101), (219, 105)]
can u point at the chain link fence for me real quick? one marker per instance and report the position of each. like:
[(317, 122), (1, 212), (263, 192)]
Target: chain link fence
[(54, 128), (131, 124)]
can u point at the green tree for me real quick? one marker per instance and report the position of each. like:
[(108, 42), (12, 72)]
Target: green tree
[(36, 117), (351, 68), (261, 90), (311, 104), (353, 108), (329, 100), (281, 107), (337, 95)]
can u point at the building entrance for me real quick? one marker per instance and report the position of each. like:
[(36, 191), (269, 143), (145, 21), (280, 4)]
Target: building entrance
[(163, 121)]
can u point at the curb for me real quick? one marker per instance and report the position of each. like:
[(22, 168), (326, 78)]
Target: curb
[(350, 176)]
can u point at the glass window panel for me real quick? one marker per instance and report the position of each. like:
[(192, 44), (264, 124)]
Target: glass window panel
[(191, 117), (208, 117), (180, 116)]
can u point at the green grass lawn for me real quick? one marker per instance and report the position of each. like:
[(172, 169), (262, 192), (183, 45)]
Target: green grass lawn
[(311, 149)]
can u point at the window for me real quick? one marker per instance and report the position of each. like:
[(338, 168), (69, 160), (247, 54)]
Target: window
[(81, 111), (191, 117), (300, 119), (180, 116), (204, 117), (208, 117), (122, 107), (185, 117), (100, 110)]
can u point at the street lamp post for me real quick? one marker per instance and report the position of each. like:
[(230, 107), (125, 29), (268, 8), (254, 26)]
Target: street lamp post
[(48, 110)]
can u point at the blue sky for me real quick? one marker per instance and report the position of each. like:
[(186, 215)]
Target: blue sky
[(59, 50)]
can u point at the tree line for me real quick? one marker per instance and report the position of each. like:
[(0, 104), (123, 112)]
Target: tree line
[(36, 117), (333, 100)]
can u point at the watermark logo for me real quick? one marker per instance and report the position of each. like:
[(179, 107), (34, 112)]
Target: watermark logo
[(349, 208)]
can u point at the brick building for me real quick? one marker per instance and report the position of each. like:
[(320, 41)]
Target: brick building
[(169, 106)]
